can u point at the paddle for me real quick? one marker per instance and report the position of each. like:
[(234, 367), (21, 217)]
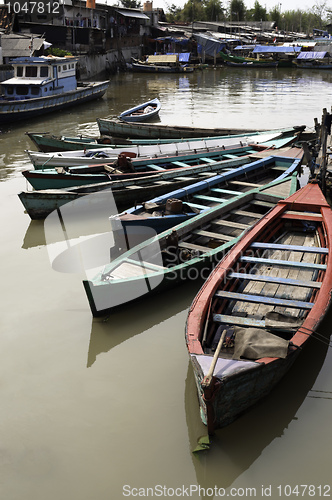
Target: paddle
[(206, 382)]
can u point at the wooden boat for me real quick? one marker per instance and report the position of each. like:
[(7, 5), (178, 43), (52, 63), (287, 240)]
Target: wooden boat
[(187, 251), (168, 63), (165, 211), (96, 156), (44, 84), (142, 112), (313, 60), (47, 142), (39, 204), (117, 128), (95, 174), (260, 305), (250, 62)]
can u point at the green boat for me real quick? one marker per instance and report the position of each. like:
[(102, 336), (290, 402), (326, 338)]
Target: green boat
[(186, 251)]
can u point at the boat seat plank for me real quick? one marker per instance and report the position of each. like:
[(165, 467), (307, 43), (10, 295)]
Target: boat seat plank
[(195, 205), (179, 163), (273, 279), (229, 223), (262, 299), (238, 320), (244, 213), (230, 156), (186, 178), (293, 248), (209, 198), (193, 246), (243, 183), (302, 216), (208, 160), (155, 167), (287, 263), (216, 236), (259, 203), (226, 191)]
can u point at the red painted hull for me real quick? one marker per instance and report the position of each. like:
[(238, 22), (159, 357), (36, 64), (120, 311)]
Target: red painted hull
[(231, 393)]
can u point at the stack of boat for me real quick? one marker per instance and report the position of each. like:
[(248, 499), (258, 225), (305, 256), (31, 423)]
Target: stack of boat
[(228, 204)]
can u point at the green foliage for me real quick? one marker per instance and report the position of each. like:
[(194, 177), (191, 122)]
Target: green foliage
[(259, 12), (237, 10), (131, 4), (54, 51), (290, 21)]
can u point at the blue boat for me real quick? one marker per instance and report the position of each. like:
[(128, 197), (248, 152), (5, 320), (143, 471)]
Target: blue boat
[(44, 84)]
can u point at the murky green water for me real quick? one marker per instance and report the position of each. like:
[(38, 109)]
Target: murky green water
[(93, 409)]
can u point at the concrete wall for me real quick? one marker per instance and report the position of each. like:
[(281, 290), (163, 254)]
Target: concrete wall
[(90, 66)]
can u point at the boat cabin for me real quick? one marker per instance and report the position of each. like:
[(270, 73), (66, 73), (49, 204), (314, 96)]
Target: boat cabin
[(40, 77)]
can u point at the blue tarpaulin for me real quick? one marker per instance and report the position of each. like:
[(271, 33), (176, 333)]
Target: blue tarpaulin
[(311, 55), (183, 56), (211, 46)]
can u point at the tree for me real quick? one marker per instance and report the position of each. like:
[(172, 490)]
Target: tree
[(214, 10), (173, 13), (131, 4), (237, 10), (259, 12), (192, 10)]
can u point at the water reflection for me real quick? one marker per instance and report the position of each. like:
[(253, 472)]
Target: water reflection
[(119, 327), (236, 447)]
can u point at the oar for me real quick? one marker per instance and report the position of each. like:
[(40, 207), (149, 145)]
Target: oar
[(208, 378)]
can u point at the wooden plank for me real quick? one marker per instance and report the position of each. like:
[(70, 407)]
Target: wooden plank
[(225, 191), (215, 236), (155, 167), (208, 160), (245, 213), (230, 157), (262, 299), (180, 164), (238, 320), (286, 263), (195, 205), (193, 246), (243, 183), (209, 198), (292, 248), (303, 216), (229, 223), (267, 204), (276, 279)]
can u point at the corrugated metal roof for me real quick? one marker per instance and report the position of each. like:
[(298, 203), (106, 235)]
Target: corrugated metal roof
[(311, 55), (17, 46), (132, 13), (264, 49)]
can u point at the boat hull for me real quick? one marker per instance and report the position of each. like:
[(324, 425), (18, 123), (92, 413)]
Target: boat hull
[(142, 113), (275, 282), (11, 111)]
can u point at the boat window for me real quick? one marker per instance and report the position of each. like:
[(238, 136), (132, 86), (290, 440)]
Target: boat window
[(10, 90), (34, 91), (59, 68), (44, 71), (19, 70), (64, 67), (31, 71), (22, 90)]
